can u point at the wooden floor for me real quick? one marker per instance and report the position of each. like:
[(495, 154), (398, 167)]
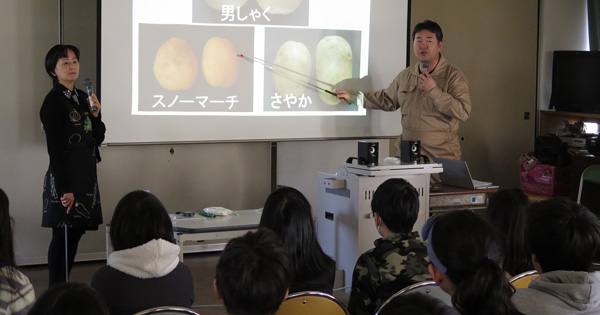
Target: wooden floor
[(202, 265)]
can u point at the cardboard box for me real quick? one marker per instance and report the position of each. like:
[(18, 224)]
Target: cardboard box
[(546, 180)]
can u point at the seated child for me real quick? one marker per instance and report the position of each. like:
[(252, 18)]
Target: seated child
[(70, 298), (287, 213), (254, 274), (506, 213), (563, 238), (144, 271), (465, 252), (399, 257)]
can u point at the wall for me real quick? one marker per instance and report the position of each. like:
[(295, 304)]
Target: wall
[(494, 43), (563, 26)]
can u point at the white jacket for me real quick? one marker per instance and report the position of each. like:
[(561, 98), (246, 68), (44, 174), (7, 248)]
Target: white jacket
[(154, 259)]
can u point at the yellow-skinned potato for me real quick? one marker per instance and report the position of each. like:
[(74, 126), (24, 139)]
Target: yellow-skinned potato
[(220, 63), (218, 4), (279, 6), (175, 65), (295, 56), (334, 64)]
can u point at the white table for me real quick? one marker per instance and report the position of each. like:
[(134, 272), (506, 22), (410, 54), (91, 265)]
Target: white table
[(201, 228)]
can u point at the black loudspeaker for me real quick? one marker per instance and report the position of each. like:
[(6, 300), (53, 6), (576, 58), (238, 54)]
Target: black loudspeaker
[(368, 153), (410, 151)]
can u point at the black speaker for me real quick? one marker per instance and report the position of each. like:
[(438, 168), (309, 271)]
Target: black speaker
[(368, 153), (410, 151)]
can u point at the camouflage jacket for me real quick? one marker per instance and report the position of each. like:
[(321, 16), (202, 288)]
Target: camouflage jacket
[(396, 262)]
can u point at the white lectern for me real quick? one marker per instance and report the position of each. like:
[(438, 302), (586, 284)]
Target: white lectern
[(346, 227)]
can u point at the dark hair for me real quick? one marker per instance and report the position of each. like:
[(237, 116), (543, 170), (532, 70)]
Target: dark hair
[(563, 235), (7, 251), (254, 273), (56, 53), (288, 214), (506, 213), (416, 303), (139, 218), (429, 26), (70, 298), (397, 203), (469, 249)]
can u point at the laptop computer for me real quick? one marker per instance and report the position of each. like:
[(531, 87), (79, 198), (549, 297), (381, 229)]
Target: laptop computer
[(456, 173)]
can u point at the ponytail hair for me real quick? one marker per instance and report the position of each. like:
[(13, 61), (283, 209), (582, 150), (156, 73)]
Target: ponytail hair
[(469, 251)]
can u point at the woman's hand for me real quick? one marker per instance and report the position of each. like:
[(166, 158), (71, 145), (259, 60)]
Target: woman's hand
[(96, 103), (67, 201)]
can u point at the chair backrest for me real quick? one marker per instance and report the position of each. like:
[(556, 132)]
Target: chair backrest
[(167, 310), (426, 287), (313, 303), (522, 280), (587, 196)]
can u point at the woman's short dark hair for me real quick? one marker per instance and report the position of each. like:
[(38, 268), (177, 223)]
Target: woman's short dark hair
[(563, 235), (429, 26), (288, 213), (56, 53), (139, 218), (469, 249), (397, 203), (70, 298), (506, 213)]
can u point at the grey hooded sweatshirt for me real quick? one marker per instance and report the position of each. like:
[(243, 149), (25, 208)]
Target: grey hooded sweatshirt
[(561, 292)]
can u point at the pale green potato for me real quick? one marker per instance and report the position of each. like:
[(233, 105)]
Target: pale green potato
[(295, 56), (334, 64), (279, 6)]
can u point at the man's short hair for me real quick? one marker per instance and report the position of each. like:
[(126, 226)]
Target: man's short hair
[(563, 235), (254, 273), (397, 203), (429, 26)]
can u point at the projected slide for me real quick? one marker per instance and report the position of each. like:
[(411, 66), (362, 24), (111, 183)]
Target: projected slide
[(236, 57), (244, 70)]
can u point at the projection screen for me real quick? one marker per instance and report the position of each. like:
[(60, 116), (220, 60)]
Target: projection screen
[(245, 70)]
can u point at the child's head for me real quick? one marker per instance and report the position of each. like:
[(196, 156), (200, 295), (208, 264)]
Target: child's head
[(464, 252), (562, 235), (506, 213), (396, 201), (70, 298), (139, 218), (253, 274)]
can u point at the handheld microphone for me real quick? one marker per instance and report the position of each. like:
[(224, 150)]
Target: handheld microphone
[(89, 90), (425, 66)]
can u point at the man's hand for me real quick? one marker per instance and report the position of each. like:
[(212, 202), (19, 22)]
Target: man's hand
[(426, 83), (343, 95)]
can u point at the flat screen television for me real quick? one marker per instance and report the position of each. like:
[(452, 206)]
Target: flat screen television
[(576, 81)]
